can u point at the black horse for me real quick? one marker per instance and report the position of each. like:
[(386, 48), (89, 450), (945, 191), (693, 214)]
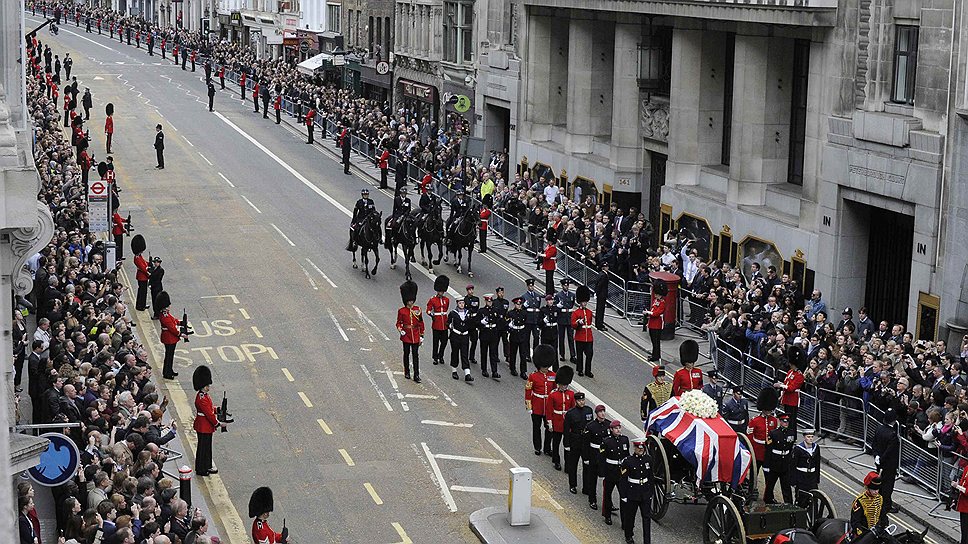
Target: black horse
[(833, 531), (367, 236), (402, 233), (462, 235), (431, 231)]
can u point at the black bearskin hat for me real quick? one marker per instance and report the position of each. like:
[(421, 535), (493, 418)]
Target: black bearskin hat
[(767, 400), (660, 288), (162, 301), (488, 200), (138, 244), (109, 109), (441, 283), (688, 352), (795, 356), (565, 375), (260, 502), (408, 292), (201, 377), (102, 169), (543, 356), (583, 294)]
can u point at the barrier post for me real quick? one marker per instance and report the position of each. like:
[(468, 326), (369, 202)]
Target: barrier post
[(185, 484)]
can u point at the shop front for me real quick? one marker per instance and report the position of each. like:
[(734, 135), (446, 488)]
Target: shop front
[(419, 97), (375, 80)]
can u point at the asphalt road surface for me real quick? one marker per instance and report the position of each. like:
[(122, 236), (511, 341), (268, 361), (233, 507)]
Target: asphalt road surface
[(252, 225)]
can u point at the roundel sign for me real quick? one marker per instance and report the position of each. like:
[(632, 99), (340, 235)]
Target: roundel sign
[(383, 67), (97, 189), (58, 463), (463, 103)]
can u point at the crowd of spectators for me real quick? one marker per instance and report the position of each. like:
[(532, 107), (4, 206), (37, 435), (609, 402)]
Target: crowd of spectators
[(85, 366)]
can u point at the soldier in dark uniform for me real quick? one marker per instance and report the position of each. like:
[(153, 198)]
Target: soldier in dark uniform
[(490, 321), (401, 203), (346, 153), (156, 275), (426, 201), (473, 305), (635, 489), (806, 463), (549, 325), (184, 56), (208, 71), (595, 433), (532, 305), (565, 302), (503, 305), (613, 451), (458, 326), (264, 95), (575, 421), (736, 410), (518, 337), (776, 461), (458, 206), (151, 43), (211, 96), (159, 147), (714, 390)]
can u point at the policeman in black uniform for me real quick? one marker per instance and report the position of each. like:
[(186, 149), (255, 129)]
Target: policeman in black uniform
[(549, 325), (458, 206), (208, 71), (473, 305), (565, 302), (736, 410), (363, 206), (211, 96), (635, 489), (806, 463), (532, 304), (776, 461), (401, 203), (156, 275), (596, 431), (613, 451), (714, 389), (490, 321), (575, 421), (346, 152), (518, 333)]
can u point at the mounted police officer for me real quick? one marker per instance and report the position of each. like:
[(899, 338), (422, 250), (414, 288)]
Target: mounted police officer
[(736, 410), (635, 489), (776, 461), (363, 207), (575, 421), (458, 206), (565, 302), (401, 203)]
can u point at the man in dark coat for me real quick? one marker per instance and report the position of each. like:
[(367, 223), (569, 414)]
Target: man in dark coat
[(601, 297), (346, 153), (887, 447)]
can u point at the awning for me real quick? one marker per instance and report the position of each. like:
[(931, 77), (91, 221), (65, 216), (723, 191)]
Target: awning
[(312, 65)]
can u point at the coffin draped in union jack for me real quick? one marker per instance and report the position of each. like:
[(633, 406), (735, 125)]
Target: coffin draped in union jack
[(709, 444)]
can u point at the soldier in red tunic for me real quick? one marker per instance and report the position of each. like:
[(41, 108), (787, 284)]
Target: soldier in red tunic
[(260, 505), (548, 261), (560, 401), (138, 247), (789, 388), (485, 219), (118, 230), (170, 333), (411, 326), (762, 425), (309, 123), (582, 321), (655, 318), (688, 377), (205, 421), (437, 308), (536, 391)]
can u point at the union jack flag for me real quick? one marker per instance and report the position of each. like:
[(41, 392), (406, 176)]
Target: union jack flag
[(710, 444)]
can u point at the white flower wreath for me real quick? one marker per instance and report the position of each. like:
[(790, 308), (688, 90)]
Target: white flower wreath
[(698, 404)]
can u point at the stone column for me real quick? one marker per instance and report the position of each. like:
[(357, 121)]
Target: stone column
[(684, 162), (626, 149), (538, 99), (581, 42)]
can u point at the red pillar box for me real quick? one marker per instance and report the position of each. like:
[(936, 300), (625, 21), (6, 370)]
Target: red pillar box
[(672, 282)]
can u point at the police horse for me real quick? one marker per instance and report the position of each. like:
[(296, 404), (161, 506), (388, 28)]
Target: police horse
[(367, 235), (462, 235), (431, 232), (402, 232)]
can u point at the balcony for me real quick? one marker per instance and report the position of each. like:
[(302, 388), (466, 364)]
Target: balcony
[(821, 13)]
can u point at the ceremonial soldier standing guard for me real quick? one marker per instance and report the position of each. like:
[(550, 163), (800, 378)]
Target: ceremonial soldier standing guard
[(581, 321), (437, 308), (776, 463), (561, 400), (260, 505), (485, 219), (138, 247), (762, 425), (574, 428), (688, 377), (536, 391), (170, 334), (736, 410), (790, 386), (117, 230), (549, 326), (458, 325), (596, 431), (549, 262), (205, 421), (518, 344), (156, 275), (384, 165), (411, 326), (490, 319), (655, 318), (806, 462), (635, 489), (656, 393), (565, 302), (613, 451)]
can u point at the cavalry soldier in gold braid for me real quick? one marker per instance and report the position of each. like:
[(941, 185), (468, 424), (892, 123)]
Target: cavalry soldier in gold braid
[(865, 512), (656, 393)]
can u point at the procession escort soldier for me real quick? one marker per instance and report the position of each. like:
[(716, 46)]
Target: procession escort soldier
[(560, 401), (714, 390), (518, 335), (221, 76), (346, 143), (806, 464), (138, 247), (156, 278), (458, 327), (656, 393), (205, 421), (574, 441), (763, 424), (364, 205), (532, 305), (255, 96), (613, 451), (277, 105), (635, 490), (383, 163), (485, 215), (866, 510), (549, 258), (596, 431), (582, 322), (688, 377), (310, 125), (401, 206), (473, 305), (776, 462), (437, 308), (503, 305), (411, 326), (260, 505), (736, 410), (549, 325), (536, 391), (193, 56), (565, 302), (171, 333), (458, 206), (655, 318), (791, 384), (490, 319), (109, 127)]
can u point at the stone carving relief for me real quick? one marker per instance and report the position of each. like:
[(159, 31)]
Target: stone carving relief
[(654, 118), (24, 243)]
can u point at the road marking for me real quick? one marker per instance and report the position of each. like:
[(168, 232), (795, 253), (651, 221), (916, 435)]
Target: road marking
[(376, 498), (244, 313), (363, 317), (249, 202), (78, 35), (324, 426), (634, 431), (484, 460), (445, 423), (289, 377), (402, 533), (347, 458), (305, 399), (470, 489), (227, 180), (312, 282), (321, 273), (233, 298), (186, 141), (442, 393), (377, 388), (204, 158), (338, 327), (415, 396), (255, 330), (439, 479), (283, 234)]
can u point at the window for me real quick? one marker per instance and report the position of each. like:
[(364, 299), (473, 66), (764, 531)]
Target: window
[(459, 31), (655, 60), (905, 64), (798, 111), (333, 17)]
